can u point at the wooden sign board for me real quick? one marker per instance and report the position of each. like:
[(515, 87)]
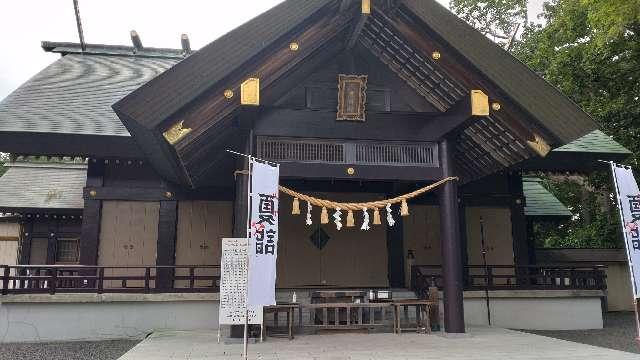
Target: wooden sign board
[(233, 284)]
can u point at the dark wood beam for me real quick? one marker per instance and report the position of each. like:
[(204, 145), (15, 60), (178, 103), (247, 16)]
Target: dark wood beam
[(362, 172), (155, 194), (52, 242), (379, 126), (69, 144), (166, 244), (91, 217), (344, 5), (357, 30), (395, 250)]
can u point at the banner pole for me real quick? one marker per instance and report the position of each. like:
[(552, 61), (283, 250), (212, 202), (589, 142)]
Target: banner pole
[(626, 246), (248, 226)]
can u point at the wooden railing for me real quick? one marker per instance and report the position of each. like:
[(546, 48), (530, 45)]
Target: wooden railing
[(32, 279), (506, 277)]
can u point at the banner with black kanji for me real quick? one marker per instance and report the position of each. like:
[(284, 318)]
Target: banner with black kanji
[(263, 234), (629, 205)]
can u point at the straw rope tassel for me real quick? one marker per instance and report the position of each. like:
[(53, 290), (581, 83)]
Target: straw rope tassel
[(324, 216), (404, 208), (376, 217), (350, 221), (296, 207)]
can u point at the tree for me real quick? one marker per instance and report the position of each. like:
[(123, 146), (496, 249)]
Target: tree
[(590, 50), (496, 19), (3, 159)]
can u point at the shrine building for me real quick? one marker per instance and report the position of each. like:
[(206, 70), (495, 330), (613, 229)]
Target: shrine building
[(358, 101)]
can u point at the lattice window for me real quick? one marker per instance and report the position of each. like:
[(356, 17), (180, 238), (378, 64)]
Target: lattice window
[(67, 250)]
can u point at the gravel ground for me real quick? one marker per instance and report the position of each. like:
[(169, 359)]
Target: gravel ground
[(619, 333), (95, 350)]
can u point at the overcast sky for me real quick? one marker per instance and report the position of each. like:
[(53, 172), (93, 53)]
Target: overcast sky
[(25, 23)]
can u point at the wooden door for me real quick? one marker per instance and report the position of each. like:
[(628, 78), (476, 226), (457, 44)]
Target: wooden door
[(128, 237), (498, 238), (351, 258), (201, 227)]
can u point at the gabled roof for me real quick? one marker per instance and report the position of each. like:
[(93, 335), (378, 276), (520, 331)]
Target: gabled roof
[(42, 186), (175, 88), (543, 101), (540, 202), (74, 94)]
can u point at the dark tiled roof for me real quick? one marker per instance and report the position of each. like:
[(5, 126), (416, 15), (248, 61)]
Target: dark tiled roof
[(169, 92), (540, 202), (544, 102), (43, 186), (74, 94)]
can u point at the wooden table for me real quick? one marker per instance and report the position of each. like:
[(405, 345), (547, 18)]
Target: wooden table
[(289, 309), (423, 320)]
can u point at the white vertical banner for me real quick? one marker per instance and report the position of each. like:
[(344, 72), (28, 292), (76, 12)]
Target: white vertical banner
[(233, 285), (629, 205), (263, 230)]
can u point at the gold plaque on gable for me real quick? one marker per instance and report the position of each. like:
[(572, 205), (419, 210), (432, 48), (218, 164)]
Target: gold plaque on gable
[(366, 7), (352, 97), (250, 92), (539, 145), (176, 132), (479, 103)]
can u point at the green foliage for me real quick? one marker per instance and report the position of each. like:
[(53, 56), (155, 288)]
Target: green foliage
[(3, 159), (497, 19), (595, 223), (590, 50)]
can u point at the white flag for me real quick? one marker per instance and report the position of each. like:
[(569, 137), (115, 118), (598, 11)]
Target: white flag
[(263, 239), (629, 204)]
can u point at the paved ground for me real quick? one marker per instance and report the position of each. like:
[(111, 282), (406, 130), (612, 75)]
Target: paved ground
[(480, 343), (99, 350), (618, 333)]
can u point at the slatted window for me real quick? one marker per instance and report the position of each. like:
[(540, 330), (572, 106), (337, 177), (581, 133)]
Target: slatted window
[(67, 250), (347, 152)]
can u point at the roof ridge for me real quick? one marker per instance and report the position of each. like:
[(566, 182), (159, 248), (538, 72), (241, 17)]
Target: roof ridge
[(65, 48)]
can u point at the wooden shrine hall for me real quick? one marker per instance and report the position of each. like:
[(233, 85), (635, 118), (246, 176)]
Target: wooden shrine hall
[(358, 101)]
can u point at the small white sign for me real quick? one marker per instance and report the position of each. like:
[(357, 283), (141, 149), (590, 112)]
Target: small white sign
[(233, 284)]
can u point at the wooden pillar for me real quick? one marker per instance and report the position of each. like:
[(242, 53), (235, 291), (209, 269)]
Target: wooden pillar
[(451, 244), (166, 245), (52, 242), (241, 202), (25, 242), (464, 241), (395, 251), (91, 216), (521, 246)]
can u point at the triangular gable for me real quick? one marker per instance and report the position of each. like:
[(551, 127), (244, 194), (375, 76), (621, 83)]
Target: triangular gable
[(543, 101), (532, 121)]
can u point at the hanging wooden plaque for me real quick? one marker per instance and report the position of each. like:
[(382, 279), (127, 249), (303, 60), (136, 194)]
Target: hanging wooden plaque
[(352, 97)]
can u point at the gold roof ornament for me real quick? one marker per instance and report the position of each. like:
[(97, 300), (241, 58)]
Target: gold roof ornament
[(294, 46), (228, 93), (250, 92), (176, 133), (496, 106), (436, 55), (366, 7), (539, 145), (479, 103)]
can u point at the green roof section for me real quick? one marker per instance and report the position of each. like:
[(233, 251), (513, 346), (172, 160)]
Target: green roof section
[(595, 142), (540, 202)]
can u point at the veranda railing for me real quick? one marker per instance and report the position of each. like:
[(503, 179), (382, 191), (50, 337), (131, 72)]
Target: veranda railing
[(509, 277), (52, 279)]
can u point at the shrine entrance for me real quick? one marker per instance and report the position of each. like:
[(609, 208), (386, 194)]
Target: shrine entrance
[(319, 255)]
